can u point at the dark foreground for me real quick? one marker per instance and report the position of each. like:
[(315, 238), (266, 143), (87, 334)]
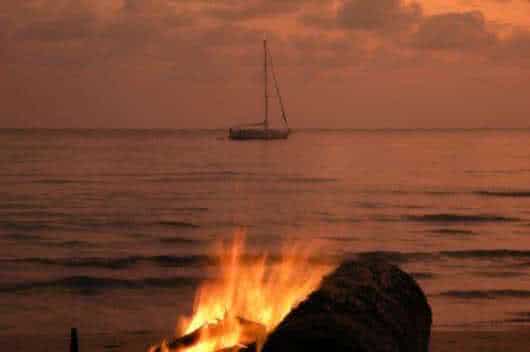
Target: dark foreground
[(442, 341)]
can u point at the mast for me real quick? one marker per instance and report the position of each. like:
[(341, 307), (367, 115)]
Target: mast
[(266, 84)]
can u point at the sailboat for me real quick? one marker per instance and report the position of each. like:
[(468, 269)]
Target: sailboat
[(262, 130)]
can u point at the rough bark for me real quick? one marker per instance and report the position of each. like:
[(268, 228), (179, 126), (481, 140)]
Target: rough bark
[(367, 306)]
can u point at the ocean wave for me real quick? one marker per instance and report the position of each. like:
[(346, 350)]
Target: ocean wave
[(63, 181), (519, 317), (181, 240), (500, 274), (372, 205), (174, 261), (202, 176), (117, 263), (102, 263), (485, 294), (48, 224), (506, 194), (9, 212), (407, 257), (191, 209), (458, 218), (395, 257), (441, 193), (67, 244), (121, 263), (399, 192), (496, 172), (182, 224), (340, 220), (24, 226), (339, 238), (453, 232), (487, 253), (163, 261), (92, 285), (32, 239), (381, 205), (22, 237), (230, 224), (307, 180), (218, 173)]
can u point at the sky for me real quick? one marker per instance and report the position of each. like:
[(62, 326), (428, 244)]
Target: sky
[(198, 63)]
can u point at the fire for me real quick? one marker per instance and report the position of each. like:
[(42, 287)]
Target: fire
[(249, 298)]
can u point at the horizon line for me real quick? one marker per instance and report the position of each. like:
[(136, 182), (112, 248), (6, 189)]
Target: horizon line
[(301, 129)]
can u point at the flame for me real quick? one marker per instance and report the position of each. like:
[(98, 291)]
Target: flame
[(259, 291)]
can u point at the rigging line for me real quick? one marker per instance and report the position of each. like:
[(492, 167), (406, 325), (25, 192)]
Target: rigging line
[(284, 116)]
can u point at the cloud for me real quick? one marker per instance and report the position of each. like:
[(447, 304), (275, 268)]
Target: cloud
[(515, 49), (402, 30), (125, 60), (367, 15), (4, 33), (238, 10), (337, 34), (57, 29), (454, 31), (81, 33), (380, 15), (519, 41)]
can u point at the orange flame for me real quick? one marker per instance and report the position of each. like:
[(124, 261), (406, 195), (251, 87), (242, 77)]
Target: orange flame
[(259, 291)]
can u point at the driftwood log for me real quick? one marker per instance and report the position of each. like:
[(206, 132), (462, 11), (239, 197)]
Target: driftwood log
[(367, 306), (252, 338)]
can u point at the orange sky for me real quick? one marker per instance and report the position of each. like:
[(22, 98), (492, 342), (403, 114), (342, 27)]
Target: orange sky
[(196, 63)]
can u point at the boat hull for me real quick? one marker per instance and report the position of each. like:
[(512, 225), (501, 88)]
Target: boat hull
[(258, 134)]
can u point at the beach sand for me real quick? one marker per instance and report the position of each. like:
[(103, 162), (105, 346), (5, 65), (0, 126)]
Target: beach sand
[(443, 341)]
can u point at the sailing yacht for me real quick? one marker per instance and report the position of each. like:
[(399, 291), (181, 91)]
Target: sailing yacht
[(262, 130)]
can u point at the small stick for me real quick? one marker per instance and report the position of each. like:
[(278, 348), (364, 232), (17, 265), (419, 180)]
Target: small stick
[(74, 344)]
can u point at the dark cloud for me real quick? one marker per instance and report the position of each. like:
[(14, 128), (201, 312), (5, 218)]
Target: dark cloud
[(148, 7), (169, 12), (250, 9), (519, 42), (80, 33), (4, 27), (58, 29), (367, 15), (454, 31), (515, 49), (380, 15), (467, 33), (161, 30)]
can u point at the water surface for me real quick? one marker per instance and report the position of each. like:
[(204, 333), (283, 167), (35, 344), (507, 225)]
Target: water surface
[(109, 231)]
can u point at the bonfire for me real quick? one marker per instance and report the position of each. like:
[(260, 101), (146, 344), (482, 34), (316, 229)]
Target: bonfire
[(247, 300)]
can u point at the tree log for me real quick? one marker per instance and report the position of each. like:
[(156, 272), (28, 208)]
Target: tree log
[(252, 335), (367, 306)]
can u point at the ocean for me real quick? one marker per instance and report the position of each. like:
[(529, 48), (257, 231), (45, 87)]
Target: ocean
[(110, 231)]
